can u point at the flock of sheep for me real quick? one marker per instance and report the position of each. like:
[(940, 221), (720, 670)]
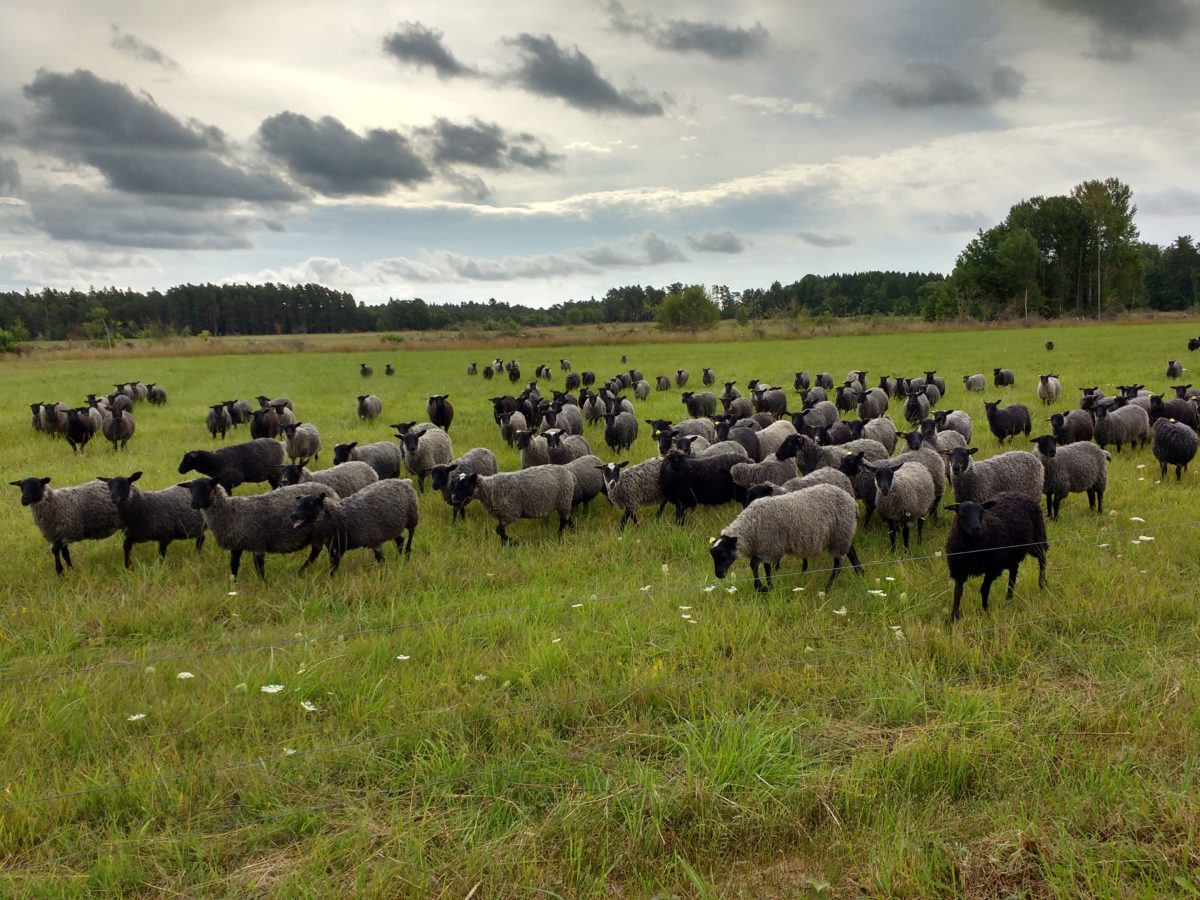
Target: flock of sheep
[(799, 476)]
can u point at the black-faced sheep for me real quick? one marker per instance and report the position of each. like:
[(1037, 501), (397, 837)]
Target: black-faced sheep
[(985, 539), (382, 456), (1077, 468), (1008, 421), (369, 518), (65, 515), (251, 461), (154, 516), (532, 493), (1174, 445)]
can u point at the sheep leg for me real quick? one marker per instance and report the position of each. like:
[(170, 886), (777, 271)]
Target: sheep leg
[(904, 528), (892, 535), (804, 565), (378, 551), (1162, 471), (987, 586), (870, 510), (126, 548), (920, 528), (504, 538), (1050, 504), (162, 549), (657, 515), (564, 519), (199, 541), (1012, 581), (1179, 473), (837, 568), (313, 554), (335, 559), (758, 585), (421, 481), (1040, 552), (260, 565), (60, 552), (959, 583), (235, 562)]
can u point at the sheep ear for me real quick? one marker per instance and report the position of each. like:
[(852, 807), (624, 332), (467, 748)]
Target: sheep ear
[(953, 507), (45, 480), (971, 451), (988, 504), (15, 483), (135, 476)]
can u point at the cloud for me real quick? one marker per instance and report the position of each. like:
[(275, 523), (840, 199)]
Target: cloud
[(566, 73), (779, 106), (330, 158), (487, 146), (722, 241), (712, 39), (825, 240), (1118, 24), (10, 176), (1169, 202), (415, 44), (961, 222), (8, 130), (644, 250), (140, 50), (928, 84), (139, 147), (471, 188), (69, 267)]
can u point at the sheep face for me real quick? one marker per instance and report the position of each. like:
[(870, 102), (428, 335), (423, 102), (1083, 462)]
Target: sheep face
[(612, 472), (970, 517), (308, 510), (341, 453), (724, 554), (202, 490), (120, 488), (960, 459), (1047, 446), (32, 489), (462, 488), (190, 462)]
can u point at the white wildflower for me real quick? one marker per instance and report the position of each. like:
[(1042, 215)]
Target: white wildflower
[(556, 640), (1145, 537), (888, 578), (1137, 519), (840, 611), (241, 686), (184, 676), (904, 596), (308, 706), (231, 594), (271, 688), (576, 606), (1102, 546), (288, 751), (665, 568), (732, 589), (709, 588), (685, 607), (820, 595), (645, 587), (481, 678), (150, 670), (136, 717), (403, 658), (797, 590), (1141, 465)]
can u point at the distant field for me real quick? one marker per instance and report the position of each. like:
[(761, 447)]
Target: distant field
[(592, 717)]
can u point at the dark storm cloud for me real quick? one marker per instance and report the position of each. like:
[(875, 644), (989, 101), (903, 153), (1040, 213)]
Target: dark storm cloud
[(470, 187), (330, 158), (415, 44), (8, 131), (140, 50), (10, 175), (1119, 24), (486, 145), (136, 145), (927, 84), (566, 73), (685, 36), (825, 240), (722, 241)]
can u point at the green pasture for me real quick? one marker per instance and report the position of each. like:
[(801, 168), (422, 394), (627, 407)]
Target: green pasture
[(592, 717)]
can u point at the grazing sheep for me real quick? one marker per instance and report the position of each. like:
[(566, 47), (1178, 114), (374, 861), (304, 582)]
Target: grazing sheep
[(302, 439), (532, 493), (1003, 378), (440, 411), (562, 447), (589, 479), (1180, 410), (258, 524), (801, 523), (369, 407), (1006, 422), (369, 518), (65, 515), (698, 405), (365, 371), (985, 539), (620, 431), (218, 420), (425, 448), (345, 478), (688, 481), (916, 407), (535, 450), (154, 516), (1073, 469), (264, 423), (382, 456), (478, 459), (975, 383), (251, 461), (681, 377), (1174, 445), (1174, 368), (1122, 425), (118, 428), (1049, 388), (1016, 471), (955, 420), (903, 493), (1071, 427)]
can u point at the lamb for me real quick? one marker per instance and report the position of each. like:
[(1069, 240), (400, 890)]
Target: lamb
[(1008, 421), (1071, 427), (1122, 425), (902, 493), (688, 481), (535, 451), (369, 518), (382, 456), (345, 478), (801, 523), (589, 479), (1174, 444), (620, 431), (424, 449), (65, 515), (975, 383), (1049, 388), (1073, 469), (701, 404), (440, 411), (1016, 471), (1003, 378), (302, 439), (532, 493), (772, 470), (955, 420), (1174, 368), (369, 407), (154, 516), (477, 459), (562, 447), (218, 420), (118, 428), (251, 461), (258, 524), (985, 539)]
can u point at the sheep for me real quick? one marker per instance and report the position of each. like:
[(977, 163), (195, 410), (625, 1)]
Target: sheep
[(239, 411), (1185, 391), (688, 481), (286, 416), (1049, 388), (369, 518), (589, 479), (801, 523), (1016, 471), (1179, 410), (425, 448), (81, 427), (251, 461), (824, 475), (927, 455), (693, 444), (382, 456), (264, 423), (772, 470), (955, 420), (1174, 444), (629, 488), (976, 383), (823, 408), (1003, 378), (771, 400), (118, 428), (218, 420), (620, 431), (532, 493), (440, 411), (345, 478), (65, 515), (916, 407), (681, 377), (562, 447), (872, 404), (1072, 426), (701, 404), (703, 427), (1174, 368), (157, 395), (662, 383), (565, 417), (738, 407), (534, 449), (882, 430), (1073, 469), (1049, 345), (933, 395), (802, 382), (771, 438), (903, 493), (264, 401), (987, 538), (942, 441), (369, 407), (154, 516), (1008, 421), (258, 524), (365, 371), (594, 409), (390, 370), (302, 439), (1122, 425), (477, 459), (825, 380)]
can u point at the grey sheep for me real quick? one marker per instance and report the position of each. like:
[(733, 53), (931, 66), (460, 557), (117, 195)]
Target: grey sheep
[(629, 488), (882, 430), (285, 415), (1123, 425), (510, 424), (258, 524), (1016, 471), (566, 418), (369, 407), (365, 371), (620, 431), (700, 404), (264, 401), (532, 493), (157, 395), (1174, 445), (425, 448), (118, 428), (801, 523), (251, 461), (903, 493), (240, 411), (916, 407), (345, 478), (772, 400), (589, 479), (594, 409), (1003, 378), (738, 407), (641, 389), (1049, 389), (772, 470), (1174, 368), (477, 459), (826, 410), (662, 383), (65, 515), (302, 439), (367, 519), (1074, 469), (976, 383), (562, 447), (872, 404), (154, 516), (927, 455), (821, 476), (771, 438), (382, 456), (535, 451), (1072, 426), (218, 420), (955, 420), (681, 377)]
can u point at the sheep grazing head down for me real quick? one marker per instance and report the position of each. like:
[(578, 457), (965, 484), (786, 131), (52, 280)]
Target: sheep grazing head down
[(724, 553)]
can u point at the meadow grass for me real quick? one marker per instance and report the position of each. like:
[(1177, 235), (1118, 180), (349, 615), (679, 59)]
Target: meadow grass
[(593, 717)]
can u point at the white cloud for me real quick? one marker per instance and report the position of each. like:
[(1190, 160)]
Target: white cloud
[(779, 106)]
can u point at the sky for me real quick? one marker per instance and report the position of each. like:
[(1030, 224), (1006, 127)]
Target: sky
[(542, 152)]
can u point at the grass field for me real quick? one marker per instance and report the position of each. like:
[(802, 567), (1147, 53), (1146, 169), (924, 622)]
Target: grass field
[(592, 717)]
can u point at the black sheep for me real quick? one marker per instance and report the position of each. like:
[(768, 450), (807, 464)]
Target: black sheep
[(251, 461), (987, 538), (441, 412), (1007, 421), (688, 481)]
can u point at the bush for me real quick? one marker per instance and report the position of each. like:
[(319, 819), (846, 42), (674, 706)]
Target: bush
[(688, 310)]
